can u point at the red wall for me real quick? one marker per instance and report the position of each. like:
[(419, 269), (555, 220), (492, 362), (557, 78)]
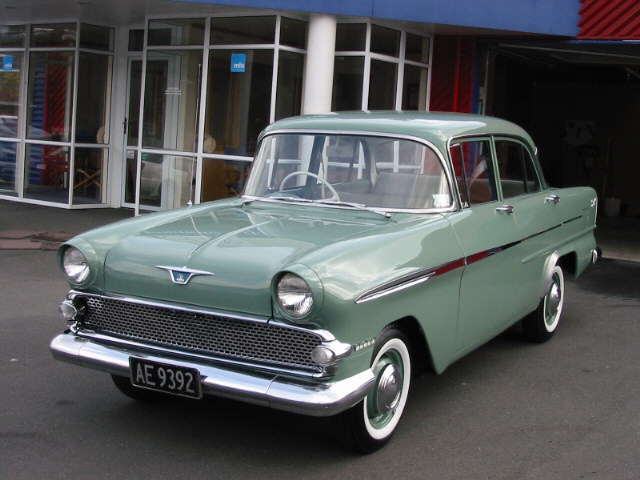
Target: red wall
[(610, 19), (452, 74)]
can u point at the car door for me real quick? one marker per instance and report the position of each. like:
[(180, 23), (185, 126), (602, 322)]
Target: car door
[(536, 213), (487, 233)]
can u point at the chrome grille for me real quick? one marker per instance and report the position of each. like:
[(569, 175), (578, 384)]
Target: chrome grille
[(202, 333)]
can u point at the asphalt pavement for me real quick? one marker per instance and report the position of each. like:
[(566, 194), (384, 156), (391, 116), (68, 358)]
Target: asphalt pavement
[(566, 409)]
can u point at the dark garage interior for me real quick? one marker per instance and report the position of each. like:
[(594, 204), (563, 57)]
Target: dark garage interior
[(580, 101)]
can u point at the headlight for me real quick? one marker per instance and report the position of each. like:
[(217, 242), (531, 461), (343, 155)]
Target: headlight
[(75, 265), (294, 295)]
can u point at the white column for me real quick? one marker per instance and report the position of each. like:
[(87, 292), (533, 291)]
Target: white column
[(318, 78)]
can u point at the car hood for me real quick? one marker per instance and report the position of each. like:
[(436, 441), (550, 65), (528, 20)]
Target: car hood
[(239, 248)]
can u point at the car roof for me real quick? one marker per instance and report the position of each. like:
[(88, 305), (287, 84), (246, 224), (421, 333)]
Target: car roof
[(436, 127)]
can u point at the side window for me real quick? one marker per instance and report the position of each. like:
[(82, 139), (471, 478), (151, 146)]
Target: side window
[(517, 174), (474, 171)]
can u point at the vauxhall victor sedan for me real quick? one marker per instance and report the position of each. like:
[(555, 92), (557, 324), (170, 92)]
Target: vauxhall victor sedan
[(365, 249)]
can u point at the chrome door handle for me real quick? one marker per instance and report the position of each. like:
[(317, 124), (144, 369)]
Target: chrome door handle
[(552, 199), (508, 209)]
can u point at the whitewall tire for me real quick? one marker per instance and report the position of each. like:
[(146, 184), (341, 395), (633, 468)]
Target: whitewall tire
[(541, 324), (371, 423)]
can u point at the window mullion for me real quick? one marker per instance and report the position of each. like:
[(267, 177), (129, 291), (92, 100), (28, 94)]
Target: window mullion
[(367, 69)]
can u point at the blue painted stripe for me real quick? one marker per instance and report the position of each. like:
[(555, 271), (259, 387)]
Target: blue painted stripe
[(550, 17)]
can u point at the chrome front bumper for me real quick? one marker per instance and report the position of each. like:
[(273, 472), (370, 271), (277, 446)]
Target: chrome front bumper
[(266, 389)]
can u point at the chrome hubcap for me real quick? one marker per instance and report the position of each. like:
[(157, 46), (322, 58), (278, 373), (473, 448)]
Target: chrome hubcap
[(388, 389), (553, 299)]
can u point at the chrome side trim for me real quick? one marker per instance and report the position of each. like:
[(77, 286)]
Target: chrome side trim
[(266, 389), (424, 275), (551, 248), (410, 280), (393, 288)]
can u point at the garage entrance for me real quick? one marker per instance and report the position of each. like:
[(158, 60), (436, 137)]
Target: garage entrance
[(580, 100)]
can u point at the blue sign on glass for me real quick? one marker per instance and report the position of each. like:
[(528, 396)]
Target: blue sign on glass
[(7, 63), (238, 62)]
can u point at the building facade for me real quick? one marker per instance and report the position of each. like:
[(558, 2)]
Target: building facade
[(154, 104)]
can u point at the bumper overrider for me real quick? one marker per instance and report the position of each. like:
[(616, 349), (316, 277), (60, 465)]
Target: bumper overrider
[(271, 388)]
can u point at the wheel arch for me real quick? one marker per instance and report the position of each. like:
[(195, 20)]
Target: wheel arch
[(569, 263), (420, 352)]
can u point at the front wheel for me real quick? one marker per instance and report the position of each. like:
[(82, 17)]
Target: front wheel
[(370, 424), (540, 325)]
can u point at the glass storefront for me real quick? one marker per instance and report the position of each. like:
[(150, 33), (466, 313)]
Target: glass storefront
[(10, 82), (380, 68), (50, 101), (239, 103), (50, 105), (93, 98), (166, 181), (210, 86), (8, 168), (66, 72), (171, 97), (198, 92)]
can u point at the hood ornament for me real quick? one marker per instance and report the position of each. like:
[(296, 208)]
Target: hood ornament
[(182, 275)]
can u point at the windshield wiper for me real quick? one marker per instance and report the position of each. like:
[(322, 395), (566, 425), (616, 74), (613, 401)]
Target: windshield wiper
[(284, 198), (290, 199), (356, 206), (279, 198)]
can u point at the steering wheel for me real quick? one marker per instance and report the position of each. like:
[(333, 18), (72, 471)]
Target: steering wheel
[(322, 181)]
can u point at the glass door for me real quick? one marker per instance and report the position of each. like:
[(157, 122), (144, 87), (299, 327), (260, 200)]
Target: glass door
[(167, 159)]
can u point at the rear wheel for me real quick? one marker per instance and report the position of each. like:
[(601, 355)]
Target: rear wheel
[(371, 423), (140, 394), (540, 325)]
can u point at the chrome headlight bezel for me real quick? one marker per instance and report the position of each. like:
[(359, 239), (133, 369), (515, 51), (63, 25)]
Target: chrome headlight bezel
[(294, 296), (75, 265)]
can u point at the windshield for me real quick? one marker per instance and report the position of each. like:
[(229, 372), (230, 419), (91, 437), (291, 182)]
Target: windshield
[(374, 171)]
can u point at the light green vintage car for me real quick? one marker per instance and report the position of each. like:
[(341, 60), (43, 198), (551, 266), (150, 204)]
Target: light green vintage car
[(366, 248)]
